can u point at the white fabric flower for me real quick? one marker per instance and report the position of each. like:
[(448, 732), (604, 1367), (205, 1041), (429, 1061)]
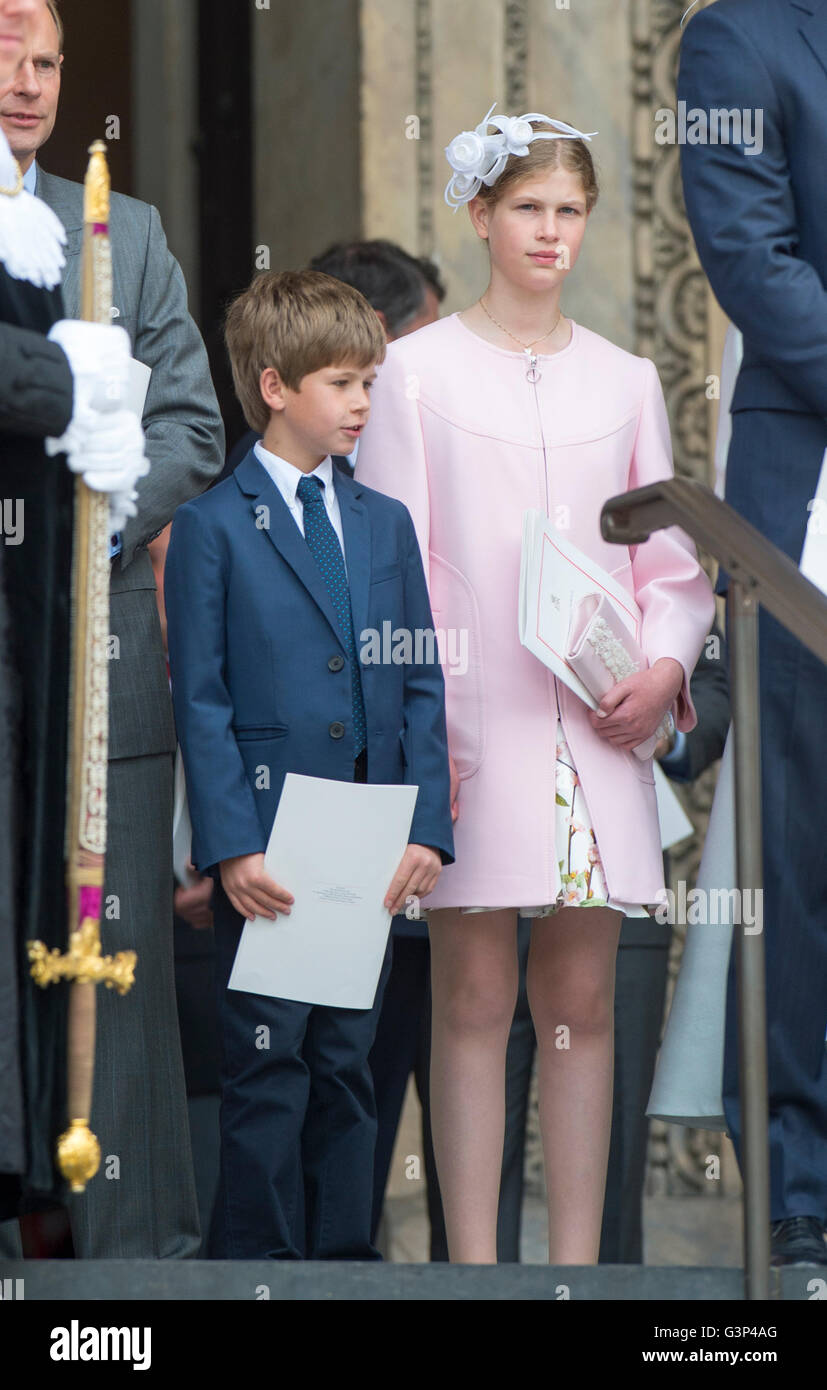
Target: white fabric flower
[(479, 158), (517, 131), (461, 189), (465, 152)]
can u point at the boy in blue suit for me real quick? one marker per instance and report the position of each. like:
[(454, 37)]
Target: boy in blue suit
[(272, 578)]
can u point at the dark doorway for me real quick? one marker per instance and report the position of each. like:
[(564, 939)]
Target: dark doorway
[(95, 91), (226, 182)]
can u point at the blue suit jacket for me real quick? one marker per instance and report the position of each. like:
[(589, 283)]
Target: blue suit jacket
[(758, 221), (260, 674)]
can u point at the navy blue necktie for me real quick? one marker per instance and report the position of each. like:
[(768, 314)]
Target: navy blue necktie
[(323, 544)]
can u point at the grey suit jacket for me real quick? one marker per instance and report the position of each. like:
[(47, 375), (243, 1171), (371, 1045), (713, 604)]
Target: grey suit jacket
[(185, 444)]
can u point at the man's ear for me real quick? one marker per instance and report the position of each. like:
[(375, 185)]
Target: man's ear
[(272, 389)]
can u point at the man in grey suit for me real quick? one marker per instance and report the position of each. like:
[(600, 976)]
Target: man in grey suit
[(142, 1202)]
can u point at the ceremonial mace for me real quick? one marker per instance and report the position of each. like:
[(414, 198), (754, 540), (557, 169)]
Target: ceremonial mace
[(78, 1151)]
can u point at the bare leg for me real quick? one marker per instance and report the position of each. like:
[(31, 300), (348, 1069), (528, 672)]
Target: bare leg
[(474, 980), (571, 970)]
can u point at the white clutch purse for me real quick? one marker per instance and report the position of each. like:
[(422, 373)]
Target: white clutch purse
[(601, 651)]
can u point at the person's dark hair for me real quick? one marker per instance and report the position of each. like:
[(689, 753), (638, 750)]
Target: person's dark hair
[(432, 276), (392, 282)]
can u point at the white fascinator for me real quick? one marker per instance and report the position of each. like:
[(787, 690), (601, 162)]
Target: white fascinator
[(478, 158)]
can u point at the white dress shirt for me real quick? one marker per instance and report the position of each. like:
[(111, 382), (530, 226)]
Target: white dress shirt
[(287, 477)]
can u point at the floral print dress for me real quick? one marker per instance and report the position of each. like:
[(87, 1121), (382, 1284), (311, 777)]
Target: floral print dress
[(581, 870)]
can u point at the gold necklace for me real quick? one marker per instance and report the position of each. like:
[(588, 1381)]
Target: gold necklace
[(13, 192), (526, 347)]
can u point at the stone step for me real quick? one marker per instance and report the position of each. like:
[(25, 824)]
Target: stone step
[(158, 1280)]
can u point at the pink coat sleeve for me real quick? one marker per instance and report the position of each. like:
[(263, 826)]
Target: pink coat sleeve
[(671, 588), (391, 455)]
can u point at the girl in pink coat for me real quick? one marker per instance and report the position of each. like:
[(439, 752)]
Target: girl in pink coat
[(506, 406)]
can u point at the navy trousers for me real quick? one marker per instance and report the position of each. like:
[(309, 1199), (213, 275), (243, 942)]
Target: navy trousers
[(298, 1121), (775, 456)]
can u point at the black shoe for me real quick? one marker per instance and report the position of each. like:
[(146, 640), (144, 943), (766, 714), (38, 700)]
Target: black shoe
[(798, 1241)]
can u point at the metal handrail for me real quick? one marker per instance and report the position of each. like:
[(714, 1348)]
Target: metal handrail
[(758, 574), (747, 556)]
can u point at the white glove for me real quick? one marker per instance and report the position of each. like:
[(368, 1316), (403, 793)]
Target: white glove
[(99, 356), (108, 449), (103, 441)]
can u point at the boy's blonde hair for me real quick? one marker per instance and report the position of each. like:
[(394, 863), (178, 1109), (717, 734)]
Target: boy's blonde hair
[(297, 321), (571, 155)]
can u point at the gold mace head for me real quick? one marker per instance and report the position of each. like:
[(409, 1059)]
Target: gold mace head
[(78, 1154), (96, 187)]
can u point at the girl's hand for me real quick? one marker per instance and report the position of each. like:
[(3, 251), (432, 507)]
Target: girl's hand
[(632, 710), (417, 874)]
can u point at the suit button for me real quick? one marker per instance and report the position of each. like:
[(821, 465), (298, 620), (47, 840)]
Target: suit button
[(336, 730), (335, 663)]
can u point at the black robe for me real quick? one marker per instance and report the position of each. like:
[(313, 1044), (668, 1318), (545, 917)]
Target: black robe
[(35, 586)]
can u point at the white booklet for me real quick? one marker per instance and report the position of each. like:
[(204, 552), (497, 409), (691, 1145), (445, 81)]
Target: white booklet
[(139, 375), (335, 846), (554, 577)]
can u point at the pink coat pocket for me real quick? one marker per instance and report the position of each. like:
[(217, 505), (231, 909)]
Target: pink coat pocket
[(457, 623)]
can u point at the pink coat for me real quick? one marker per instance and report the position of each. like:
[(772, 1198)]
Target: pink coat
[(457, 432)]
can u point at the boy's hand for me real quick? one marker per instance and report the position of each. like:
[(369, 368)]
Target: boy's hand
[(417, 874), (251, 890), (633, 709)]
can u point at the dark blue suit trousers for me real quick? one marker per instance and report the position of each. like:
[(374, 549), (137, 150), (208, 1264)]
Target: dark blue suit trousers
[(298, 1121)]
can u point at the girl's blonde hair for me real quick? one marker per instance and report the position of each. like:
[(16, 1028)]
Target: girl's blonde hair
[(571, 155)]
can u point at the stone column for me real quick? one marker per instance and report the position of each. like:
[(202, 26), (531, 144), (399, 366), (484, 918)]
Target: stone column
[(165, 122), (306, 129)]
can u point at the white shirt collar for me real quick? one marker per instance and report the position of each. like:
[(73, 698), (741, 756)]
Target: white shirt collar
[(30, 178), (287, 476)]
